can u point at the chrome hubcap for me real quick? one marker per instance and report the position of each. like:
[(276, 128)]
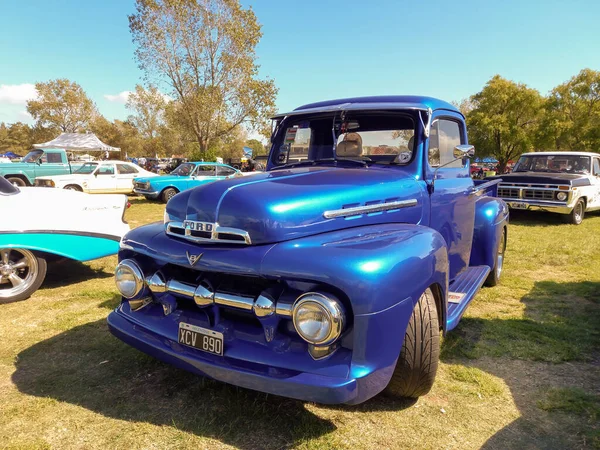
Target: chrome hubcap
[(578, 210), (18, 270)]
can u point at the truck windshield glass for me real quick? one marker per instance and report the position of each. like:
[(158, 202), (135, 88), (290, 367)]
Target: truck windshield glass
[(554, 163), (32, 156), (184, 170), (86, 169), (373, 138)]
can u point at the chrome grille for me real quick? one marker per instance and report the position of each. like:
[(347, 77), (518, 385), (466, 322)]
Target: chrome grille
[(141, 184), (505, 192), (219, 234), (535, 194)]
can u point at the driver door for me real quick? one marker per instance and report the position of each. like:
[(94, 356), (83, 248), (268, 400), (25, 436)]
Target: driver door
[(452, 199), (103, 180), (125, 175)]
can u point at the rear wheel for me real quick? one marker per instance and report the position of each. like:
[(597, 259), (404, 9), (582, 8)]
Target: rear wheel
[(417, 365), (168, 194), (21, 274), (73, 187), (494, 277), (16, 181), (576, 216)]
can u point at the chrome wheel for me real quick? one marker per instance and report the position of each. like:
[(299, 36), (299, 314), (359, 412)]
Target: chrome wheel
[(578, 212), (18, 272)]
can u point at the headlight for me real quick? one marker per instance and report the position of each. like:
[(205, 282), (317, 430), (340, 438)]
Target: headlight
[(129, 278), (318, 318), (562, 196)]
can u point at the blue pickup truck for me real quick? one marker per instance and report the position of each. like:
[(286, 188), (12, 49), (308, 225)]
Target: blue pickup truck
[(332, 276), (38, 163)]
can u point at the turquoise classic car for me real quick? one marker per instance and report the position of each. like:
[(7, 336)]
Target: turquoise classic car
[(186, 176)]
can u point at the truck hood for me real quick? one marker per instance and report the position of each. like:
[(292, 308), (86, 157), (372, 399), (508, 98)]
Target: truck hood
[(289, 204), (570, 179)]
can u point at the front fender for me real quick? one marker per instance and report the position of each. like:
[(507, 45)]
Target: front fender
[(376, 266), (9, 173)]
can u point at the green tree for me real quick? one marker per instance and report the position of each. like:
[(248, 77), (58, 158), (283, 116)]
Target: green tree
[(204, 50), (62, 104), (504, 119), (572, 121), (16, 137), (148, 106), (258, 149)]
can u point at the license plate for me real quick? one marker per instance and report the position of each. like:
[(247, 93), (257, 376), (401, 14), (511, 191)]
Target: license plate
[(519, 205), (201, 338)]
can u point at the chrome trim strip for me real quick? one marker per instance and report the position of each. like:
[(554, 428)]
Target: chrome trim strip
[(284, 309), (234, 301), (214, 234), (182, 289), (368, 209)]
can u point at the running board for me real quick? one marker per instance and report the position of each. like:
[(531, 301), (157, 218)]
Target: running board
[(462, 291)]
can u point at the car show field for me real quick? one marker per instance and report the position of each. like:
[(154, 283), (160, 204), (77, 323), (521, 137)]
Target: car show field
[(522, 369)]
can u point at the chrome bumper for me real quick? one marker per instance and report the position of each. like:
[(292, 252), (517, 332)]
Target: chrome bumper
[(151, 194), (533, 205)]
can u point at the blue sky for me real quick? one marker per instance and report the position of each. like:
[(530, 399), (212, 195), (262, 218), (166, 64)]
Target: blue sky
[(316, 49)]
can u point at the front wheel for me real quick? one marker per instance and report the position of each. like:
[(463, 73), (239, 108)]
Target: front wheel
[(16, 181), (168, 194), (576, 216), (21, 274), (417, 365)]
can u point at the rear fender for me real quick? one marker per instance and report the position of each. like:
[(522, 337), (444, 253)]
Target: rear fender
[(77, 246), (491, 216)]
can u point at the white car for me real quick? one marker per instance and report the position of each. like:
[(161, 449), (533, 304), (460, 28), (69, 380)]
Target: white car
[(103, 177), (42, 224), (5, 159)]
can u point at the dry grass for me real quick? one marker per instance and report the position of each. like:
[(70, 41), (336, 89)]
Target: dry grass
[(521, 371)]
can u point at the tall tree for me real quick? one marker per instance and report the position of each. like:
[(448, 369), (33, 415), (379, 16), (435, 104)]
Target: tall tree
[(573, 114), (258, 149), (504, 119), (62, 104), (205, 51), (148, 106)]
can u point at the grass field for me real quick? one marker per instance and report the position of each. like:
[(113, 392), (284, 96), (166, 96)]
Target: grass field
[(522, 370)]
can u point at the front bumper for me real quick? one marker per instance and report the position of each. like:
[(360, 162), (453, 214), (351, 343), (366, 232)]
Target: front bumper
[(313, 387), (150, 194), (533, 205)]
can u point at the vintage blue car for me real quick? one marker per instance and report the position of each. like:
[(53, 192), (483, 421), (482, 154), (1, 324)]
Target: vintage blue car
[(332, 276), (186, 176)]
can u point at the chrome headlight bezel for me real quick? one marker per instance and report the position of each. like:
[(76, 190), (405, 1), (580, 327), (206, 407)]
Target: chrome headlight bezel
[(332, 310), (562, 194), (130, 267)]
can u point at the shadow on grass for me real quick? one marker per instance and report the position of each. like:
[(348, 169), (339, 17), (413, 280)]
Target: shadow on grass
[(87, 366), (541, 218), (66, 271), (561, 323)]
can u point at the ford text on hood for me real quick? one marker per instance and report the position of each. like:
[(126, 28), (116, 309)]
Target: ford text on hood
[(566, 183), (303, 281)]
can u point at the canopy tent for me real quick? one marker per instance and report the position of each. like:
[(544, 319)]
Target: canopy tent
[(78, 142)]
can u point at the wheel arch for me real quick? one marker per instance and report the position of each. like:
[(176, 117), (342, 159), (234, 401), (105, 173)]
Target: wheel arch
[(21, 176)]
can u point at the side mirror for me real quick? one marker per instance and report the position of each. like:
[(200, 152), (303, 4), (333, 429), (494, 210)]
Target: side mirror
[(464, 151), (96, 174)]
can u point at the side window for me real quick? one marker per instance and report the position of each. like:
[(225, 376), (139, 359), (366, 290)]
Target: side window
[(53, 158), (106, 170), (444, 136), (224, 171), (206, 171), (125, 169), (44, 158), (597, 167)]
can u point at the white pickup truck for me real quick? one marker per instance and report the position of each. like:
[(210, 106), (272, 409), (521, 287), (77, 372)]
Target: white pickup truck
[(566, 183)]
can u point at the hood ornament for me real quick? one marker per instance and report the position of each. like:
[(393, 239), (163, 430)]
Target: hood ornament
[(193, 259)]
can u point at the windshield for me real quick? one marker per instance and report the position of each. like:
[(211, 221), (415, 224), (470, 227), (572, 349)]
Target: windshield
[(7, 188), (32, 156), (559, 163), (366, 137), (87, 168), (184, 170)]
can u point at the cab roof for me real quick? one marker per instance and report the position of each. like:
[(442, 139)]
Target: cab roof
[(384, 102)]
